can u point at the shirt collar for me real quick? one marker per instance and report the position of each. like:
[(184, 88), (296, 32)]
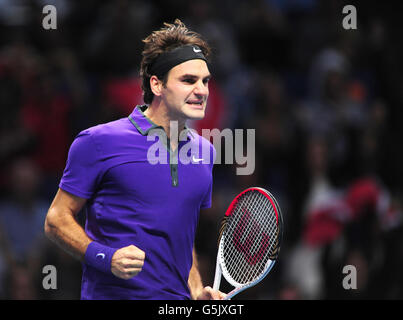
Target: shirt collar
[(144, 124)]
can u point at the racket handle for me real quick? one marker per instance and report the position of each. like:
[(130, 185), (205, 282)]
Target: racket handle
[(217, 277)]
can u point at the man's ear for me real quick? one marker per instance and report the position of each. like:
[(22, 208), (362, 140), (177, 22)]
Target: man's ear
[(156, 85)]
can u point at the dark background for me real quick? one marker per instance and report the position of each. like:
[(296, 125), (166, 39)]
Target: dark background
[(325, 103)]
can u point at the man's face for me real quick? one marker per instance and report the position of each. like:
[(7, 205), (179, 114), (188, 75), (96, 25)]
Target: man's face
[(186, 90)]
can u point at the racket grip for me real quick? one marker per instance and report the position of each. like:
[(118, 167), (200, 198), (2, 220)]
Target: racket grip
[(217, 276)]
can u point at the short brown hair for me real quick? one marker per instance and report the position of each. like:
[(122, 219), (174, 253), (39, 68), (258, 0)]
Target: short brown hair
[(167, 38)]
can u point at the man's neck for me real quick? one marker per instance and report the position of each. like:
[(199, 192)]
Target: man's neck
[(158, 113)]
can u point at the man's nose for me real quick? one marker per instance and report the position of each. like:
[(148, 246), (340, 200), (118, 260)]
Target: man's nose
[(201, 89)]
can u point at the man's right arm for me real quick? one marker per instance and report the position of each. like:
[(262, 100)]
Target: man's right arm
[(62, 228), (61, 225)]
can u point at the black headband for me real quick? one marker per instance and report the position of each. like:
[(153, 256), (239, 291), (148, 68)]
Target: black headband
[(167, 60)]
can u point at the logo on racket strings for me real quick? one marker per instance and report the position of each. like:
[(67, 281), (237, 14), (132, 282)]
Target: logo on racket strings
[(245, 246)]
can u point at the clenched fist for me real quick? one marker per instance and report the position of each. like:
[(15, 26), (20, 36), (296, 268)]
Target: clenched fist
[(127, 262)]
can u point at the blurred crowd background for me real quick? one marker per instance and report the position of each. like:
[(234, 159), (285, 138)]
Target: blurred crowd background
[(326, 104)]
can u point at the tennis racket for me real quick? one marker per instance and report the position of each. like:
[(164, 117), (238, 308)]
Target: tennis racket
[(249, 240)]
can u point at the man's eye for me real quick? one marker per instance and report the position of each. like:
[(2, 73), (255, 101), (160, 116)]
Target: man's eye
[(188, 80)]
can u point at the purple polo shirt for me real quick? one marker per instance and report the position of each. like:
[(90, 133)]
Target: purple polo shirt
[(132, 200)]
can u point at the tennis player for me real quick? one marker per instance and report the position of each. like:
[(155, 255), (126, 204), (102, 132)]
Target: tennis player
[(141, 218)]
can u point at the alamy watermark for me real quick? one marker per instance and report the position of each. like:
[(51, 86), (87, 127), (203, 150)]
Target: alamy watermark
[(49, 281), (49, 21), (232, 146), (350, 20), (350, 280)]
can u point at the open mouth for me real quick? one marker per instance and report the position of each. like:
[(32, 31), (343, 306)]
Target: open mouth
[(196, 103)]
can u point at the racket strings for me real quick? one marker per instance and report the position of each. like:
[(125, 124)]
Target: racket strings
[(251, 237), (241, 263)]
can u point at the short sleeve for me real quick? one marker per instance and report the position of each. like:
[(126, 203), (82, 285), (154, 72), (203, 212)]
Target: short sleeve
[(83, 169)]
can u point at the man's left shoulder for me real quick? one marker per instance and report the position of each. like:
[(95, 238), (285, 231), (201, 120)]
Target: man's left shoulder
[(200, 139)]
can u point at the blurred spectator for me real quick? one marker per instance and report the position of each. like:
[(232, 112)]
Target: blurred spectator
[(23, 213), (22, 216), (334, 112), (16, 64), (20, 283)]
